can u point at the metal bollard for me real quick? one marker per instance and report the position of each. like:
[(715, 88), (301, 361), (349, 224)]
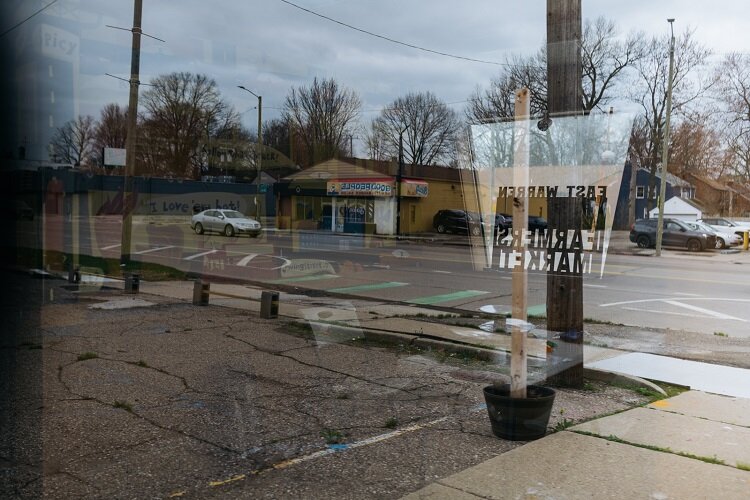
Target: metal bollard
[(746, 239), (132, 282), (269, 305), (74, 275), (201, 292)]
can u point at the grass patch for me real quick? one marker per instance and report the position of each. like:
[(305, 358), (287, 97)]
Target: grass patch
[(562, 425), (109, 267), (87, 355), (123, 405), (671, 390), (708, 460), (743, 466), (142, 364), (593, 321), (720, 334), (588, 386), (391, 423), (332, 436)]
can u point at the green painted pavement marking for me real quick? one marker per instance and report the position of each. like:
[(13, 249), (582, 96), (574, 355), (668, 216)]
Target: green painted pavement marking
[(434, 299), (373, 286), (537, 310), (300, 279)]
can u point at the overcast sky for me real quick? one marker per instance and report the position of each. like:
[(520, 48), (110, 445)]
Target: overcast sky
[(269, 46)]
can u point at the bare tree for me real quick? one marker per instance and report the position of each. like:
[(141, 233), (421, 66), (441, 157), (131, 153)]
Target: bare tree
[(695, 147), (604, 59), (74, 142), (112, 129), (733, 90), (183, 114), (323, 116), (431, 133), (497, 102), (650, 91)]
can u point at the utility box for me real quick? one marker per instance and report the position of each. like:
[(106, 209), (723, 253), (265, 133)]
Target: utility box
[(132, 282), (269, 305), (201, 292)]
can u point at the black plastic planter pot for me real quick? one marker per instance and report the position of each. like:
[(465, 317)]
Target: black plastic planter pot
[(519, 419)]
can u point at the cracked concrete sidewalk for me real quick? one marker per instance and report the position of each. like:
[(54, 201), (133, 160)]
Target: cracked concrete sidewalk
[(200, 402)]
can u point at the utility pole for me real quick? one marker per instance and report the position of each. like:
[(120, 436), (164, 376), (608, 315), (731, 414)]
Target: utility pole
[(665, 145), (131, 141), (399, 177), (564, 290), (259, 154)]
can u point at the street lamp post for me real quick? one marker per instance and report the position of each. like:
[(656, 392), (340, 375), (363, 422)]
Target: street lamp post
[(259, 154), (665, 146), (399, 177)]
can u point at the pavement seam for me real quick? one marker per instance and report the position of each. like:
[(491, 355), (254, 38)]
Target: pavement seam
[(613, 438), (674, 412)]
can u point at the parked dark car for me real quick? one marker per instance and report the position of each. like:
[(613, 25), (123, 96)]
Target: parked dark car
[(503, 223), (457, 221), (537, 223), (676, 234)]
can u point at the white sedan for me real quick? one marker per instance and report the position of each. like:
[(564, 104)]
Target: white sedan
[(226, 222), (725, 236)]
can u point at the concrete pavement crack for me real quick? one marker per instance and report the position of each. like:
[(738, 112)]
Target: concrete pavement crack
[(310, 365), (137, 415)]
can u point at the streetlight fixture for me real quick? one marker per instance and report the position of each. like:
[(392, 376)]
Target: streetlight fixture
[(399, 177), (665, 145), (259, 157)]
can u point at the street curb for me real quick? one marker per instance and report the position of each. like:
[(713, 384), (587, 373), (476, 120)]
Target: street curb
[(477, 352), (621, 378)]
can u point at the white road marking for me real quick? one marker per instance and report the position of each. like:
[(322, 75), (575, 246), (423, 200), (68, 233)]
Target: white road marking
[(154, 249), (441, 272), (666, 299), (709, 312), (110, 247), (247, 258), (595, 286), (200, 254), (244, 261), (671, 313), (379, 266), (682, 294)]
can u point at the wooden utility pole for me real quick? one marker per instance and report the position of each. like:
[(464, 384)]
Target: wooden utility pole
[(564, 290), (130, 141)]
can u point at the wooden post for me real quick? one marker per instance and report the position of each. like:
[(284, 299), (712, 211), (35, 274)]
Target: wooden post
[(564, 290), (520, 224)]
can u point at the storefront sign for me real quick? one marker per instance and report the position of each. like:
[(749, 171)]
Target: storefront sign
[(414, 189), (360, 188)]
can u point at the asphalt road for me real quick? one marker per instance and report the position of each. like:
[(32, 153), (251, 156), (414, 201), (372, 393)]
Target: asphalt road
[(700, 294)]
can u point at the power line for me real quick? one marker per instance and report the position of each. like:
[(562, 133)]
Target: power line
[(28, 18), (392, 40)]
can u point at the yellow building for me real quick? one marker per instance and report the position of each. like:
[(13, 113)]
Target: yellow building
[(353, 195)]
